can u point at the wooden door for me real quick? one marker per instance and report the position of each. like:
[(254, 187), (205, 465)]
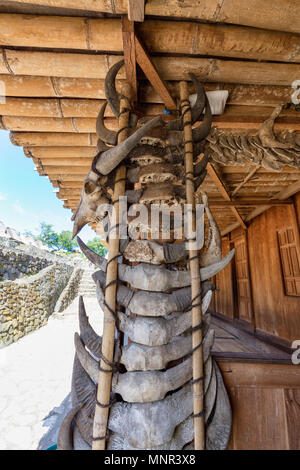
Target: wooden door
[(242, 276)]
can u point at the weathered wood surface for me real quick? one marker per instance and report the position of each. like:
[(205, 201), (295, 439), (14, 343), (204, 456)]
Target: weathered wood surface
[(159, 37), (104, 381), (270, 14), (274, 311), (265, 405), (93, 88), (72, 65), (286, 192)]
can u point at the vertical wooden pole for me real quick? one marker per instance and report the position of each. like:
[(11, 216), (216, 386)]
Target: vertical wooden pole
[(198, 373), (104, 381)]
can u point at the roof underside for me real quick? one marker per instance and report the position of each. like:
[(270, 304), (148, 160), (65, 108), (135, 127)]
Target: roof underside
[(53, 65)]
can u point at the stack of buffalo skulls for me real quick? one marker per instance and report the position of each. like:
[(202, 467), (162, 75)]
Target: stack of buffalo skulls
[(152, 394)]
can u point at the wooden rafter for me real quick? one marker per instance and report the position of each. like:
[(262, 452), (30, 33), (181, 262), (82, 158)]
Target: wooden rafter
[(223, 191), (135, 52), (153, 76), (247, 178), (136, 10), (130, 54), (282, 195)]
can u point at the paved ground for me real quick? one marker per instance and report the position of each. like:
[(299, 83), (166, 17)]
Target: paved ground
[(35, 375)]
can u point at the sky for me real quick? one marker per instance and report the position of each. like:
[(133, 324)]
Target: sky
[(26, 198)]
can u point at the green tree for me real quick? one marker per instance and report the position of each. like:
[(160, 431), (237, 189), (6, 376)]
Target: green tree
[(48, 236), (65, 241), (96, 245)]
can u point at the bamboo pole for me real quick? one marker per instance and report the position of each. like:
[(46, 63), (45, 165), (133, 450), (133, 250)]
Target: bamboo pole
[(61, 152), (53, 139), (104, 382), (171, 37), (73, 65), (93, 88), (270, 14), (234, 117), (198, 389), (60, 108), (86, 108)]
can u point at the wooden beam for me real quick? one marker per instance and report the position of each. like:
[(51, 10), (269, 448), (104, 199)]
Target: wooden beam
[(214, 176), (130, 54), (151, 73), (247, 178), (136, 10), (282, 195)]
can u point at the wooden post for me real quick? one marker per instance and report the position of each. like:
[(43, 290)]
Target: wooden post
[(104, 382), (198, 378)]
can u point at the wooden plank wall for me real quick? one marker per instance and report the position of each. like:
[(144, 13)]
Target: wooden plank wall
[(273, 312), (265, 400)]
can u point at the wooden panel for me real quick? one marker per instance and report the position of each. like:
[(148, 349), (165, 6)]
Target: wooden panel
[(289, 261), (244, 301), (297, 207), (253, 375), (292, 405), (275, 313), (224, 302), (265, 400), (258, 419)]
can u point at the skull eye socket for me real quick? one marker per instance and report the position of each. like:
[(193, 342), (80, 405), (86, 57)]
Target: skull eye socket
[(89, 187)]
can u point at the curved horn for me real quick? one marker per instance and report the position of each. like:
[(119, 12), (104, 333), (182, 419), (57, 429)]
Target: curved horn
[(266, 133), (91, 255), (101, 146), (107, 136), (202, 131), (90, 365), (89, 337), (197, 109), (201, 166), (111, 93), (112, 157), (65, 434)]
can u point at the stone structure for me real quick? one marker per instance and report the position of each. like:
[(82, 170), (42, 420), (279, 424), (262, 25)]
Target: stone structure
[(26, 303), (70, 291), (32, 282)]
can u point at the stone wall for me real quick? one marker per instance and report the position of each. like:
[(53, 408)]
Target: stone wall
[(70, 291), (18, 260), (26, 303), (14, 265)]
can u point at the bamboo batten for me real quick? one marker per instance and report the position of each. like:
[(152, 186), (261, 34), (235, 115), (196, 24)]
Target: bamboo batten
[(198, 381), (44, 124), (234, 117), (53, 139), (158, 36), (104, 382), (92, 88), (80, 108), (72, 65), (270, 14), (59, 107), (61, 152)]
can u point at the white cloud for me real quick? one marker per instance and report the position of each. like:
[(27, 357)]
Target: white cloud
[(3, 197)]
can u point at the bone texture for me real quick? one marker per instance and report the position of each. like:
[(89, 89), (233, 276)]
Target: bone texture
[(152, 393), (265, 148)]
